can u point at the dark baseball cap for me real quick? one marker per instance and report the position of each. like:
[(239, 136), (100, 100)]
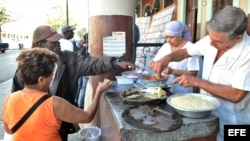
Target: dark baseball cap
[(46, 32), (67, 28)]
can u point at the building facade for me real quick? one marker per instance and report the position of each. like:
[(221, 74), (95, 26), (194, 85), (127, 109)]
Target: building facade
[(195, 13)]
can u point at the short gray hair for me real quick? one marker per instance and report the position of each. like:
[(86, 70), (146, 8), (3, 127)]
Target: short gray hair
[(231, 20)]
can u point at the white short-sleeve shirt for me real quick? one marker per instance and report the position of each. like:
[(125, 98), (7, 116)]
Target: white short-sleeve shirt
[(66, 45), (188, 64), (233, 68)]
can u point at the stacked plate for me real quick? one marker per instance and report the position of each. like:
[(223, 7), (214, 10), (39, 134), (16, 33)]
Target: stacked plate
[(131, 74), (193, 105)]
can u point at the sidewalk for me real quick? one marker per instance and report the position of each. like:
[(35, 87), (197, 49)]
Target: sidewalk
[(5, 89)]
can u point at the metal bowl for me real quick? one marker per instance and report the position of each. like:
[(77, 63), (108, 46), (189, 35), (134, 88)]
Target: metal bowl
[(194, 113), (154, 82)]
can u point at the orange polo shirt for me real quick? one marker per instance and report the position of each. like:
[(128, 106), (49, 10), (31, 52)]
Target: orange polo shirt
[(42, 125)]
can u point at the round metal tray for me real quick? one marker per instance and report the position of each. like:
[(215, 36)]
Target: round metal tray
[(142, 99), (163, 121)]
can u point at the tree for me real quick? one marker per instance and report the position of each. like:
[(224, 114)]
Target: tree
[(57, 18), (81, 32), (4, 18)]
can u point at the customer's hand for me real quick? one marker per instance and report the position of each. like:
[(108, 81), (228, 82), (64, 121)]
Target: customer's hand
[(103, 86), (127, 65)]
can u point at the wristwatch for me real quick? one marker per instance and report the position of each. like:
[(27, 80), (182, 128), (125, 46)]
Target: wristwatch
[(117, 61)]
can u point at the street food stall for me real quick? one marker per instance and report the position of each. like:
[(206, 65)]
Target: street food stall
[(117, 122), (122, 119)]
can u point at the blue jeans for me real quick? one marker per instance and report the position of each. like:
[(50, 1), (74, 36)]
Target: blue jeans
[(80, 94)]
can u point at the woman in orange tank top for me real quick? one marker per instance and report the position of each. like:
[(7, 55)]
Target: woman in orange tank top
[(36, 68)]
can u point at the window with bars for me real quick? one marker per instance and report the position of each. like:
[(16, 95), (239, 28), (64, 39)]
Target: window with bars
[(168, 3), (156, 7)]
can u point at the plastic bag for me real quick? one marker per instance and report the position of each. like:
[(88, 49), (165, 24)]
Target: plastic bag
[(90, 134)]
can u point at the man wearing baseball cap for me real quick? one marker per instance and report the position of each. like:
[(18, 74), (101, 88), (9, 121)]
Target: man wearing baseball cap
[(68, 33), (70, 68), (46, 32), (67, 28)]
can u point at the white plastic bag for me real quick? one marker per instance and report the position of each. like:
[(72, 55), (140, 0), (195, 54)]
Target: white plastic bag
[(90, 134), (7, 137)]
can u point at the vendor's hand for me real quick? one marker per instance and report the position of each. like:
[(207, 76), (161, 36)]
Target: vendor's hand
[(186, 80), (104, 85), (127, 65), (167, 71), (158, 67)]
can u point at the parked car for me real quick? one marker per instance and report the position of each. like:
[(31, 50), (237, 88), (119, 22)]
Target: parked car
[(3, 47)]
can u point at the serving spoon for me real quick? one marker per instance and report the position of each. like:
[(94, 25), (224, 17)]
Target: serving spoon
[(142, 70)]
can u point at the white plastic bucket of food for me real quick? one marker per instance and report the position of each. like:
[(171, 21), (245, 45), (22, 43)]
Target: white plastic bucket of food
[(90, 134)]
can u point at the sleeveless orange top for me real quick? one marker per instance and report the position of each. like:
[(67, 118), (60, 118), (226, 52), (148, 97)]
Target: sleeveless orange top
[(42, 125)]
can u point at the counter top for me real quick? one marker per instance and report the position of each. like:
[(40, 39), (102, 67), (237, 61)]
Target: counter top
[(113, 126)]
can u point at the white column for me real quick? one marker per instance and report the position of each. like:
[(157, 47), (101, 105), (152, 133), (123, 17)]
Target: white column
[(106, 16)]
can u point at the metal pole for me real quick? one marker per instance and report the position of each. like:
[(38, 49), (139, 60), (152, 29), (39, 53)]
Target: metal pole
[(67, 13)]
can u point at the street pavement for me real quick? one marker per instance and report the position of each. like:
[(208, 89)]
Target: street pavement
[(5, 88)]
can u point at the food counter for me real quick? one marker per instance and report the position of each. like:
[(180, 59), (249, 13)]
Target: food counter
[(114, 128)]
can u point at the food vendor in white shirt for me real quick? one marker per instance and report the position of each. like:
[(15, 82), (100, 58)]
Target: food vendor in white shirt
[(226, 73), (178, 36)]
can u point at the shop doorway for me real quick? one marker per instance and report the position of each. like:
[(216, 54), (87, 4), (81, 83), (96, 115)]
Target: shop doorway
[(191, 18), (191, 15)]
